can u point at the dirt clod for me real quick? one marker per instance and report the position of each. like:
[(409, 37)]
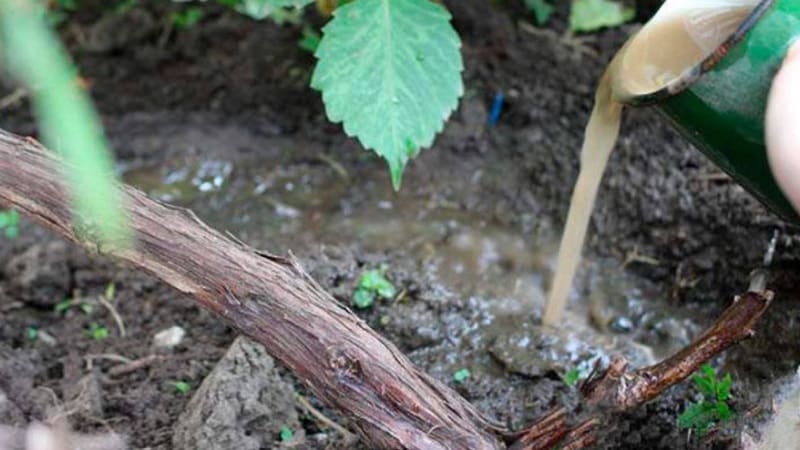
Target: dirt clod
[(41, 275), (242, 404)]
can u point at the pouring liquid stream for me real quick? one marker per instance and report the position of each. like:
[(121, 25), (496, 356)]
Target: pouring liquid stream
[(681, 35)]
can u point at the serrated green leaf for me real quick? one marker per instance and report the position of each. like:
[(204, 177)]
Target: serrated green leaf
[(590, 15), (724, 411), (390, 71), (697, 416), (724, 388), (261, 9), (541, 9)]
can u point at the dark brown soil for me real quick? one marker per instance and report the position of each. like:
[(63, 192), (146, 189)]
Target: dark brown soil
[(236, 90)]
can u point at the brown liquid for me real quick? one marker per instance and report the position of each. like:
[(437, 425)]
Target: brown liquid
[(674, 41)]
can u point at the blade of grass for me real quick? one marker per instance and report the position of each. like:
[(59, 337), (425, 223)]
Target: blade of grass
[(68, 121)]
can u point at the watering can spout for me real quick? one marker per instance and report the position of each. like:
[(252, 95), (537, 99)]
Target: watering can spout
[(717, 98)]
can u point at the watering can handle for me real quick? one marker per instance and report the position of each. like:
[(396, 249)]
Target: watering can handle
[(783, 126)]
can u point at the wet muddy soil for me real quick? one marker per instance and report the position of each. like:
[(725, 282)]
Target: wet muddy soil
[(219, 118)]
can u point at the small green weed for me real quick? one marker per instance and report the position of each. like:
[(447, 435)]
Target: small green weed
[(182, 387), (286, 434), (541, 9), (111, 291), (65, 305), (187, 18), (712, 408), (461, 375), (96, 331), (591, 15), (9, 223), (372, 285), (31, 334), (310, 40), (572, 377)]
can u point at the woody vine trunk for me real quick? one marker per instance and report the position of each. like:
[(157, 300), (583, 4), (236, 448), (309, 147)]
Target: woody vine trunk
[(268, 298)]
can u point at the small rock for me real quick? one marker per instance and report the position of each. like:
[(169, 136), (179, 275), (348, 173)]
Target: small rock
[(169, 338), (621, 324), (242, 404), (40, 276)]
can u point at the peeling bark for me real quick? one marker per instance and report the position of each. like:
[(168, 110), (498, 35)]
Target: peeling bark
[(270, 299)]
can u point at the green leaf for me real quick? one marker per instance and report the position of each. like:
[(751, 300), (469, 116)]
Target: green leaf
[(182, 387), (461, 375), (63, 306), (571, 378), (310, 40), (724, 411), (704, 385), (111, 291), (590, 15), (69, 123), (286, 434), (724, 388), (376, 283), (261, 9), (187, 18), (541, 9), (363, 298), (698, 416), (31, 333), (5, 219), (12, 232), (390, 71)]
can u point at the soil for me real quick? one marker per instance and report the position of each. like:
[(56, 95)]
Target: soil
[(220, 118)]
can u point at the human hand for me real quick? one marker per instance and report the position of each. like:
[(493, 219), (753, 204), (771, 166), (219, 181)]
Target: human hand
[(783, 126)]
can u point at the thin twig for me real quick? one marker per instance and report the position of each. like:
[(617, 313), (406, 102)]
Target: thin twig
[(13, 98), (618, 389), (120, 324), (133, 366), (90, 359), (305, 404)]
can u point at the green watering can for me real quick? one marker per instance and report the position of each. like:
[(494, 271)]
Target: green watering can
[(720, 103)]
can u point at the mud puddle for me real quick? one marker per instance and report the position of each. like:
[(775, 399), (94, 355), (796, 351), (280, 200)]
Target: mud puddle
[(307, 200)]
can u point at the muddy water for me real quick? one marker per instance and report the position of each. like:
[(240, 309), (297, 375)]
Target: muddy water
[(680, 36), (484, 277)]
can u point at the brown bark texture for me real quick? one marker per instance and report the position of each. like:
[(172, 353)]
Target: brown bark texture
[(268, 298), (618, 388)]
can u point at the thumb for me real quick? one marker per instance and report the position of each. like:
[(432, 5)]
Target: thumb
[(783, 126)]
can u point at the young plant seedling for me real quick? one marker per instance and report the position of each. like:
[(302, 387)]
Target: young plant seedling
[(286, 434), (96, 331), (187, 18), (31, 333), (9, 223), (182, 387), (372, 285), (572, 377), (541, 9), (461, 375), (712, 407), (592, 15), (65, 305)]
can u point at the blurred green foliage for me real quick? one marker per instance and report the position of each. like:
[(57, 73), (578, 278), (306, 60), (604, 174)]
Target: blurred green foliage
[(68, 122)]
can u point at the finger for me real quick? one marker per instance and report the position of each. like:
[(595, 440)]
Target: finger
[(783, 126)]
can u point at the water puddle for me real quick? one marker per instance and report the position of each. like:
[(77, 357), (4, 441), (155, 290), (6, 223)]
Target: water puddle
[(305, 203)]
